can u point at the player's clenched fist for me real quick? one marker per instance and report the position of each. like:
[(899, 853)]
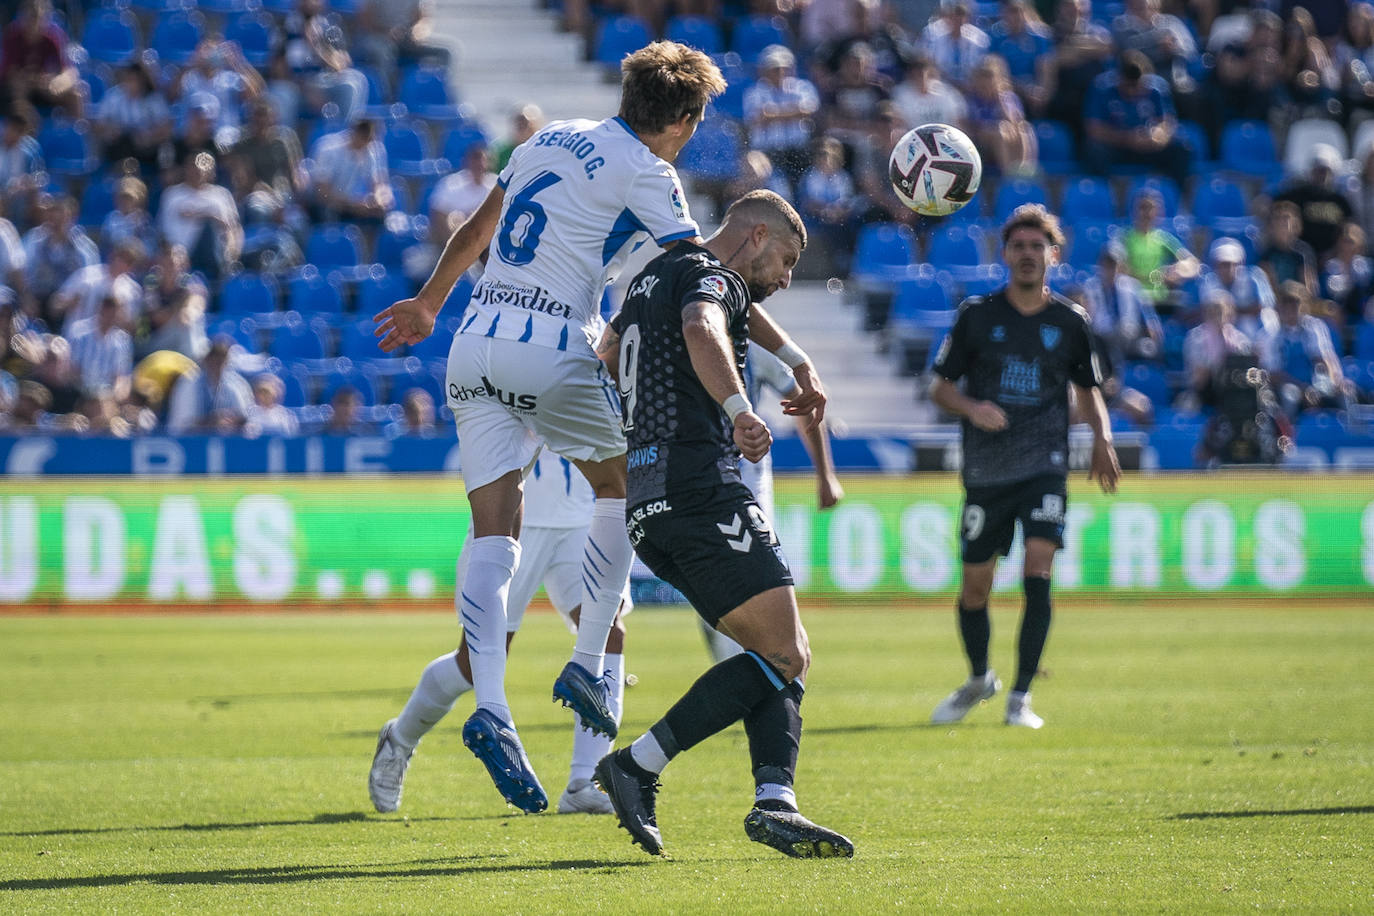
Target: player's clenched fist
[(752, 437), (988, 417)]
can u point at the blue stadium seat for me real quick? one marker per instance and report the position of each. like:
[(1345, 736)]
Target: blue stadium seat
[(714, 151), (161, 7), (403, 201), (67, 148), (243, 331), (882, 249), (957, 249), (380, 288), (696, 32), (1364, 340), (296, 339), (1087, 239), (917, 296), (754, 34), (1194, 137), (97, 78), (436, 346), (425, 93), (249, 293), (111, 36), (357, 341), (418, 375), (407, 150), (346, 373), (1088, 199), (1149, 380), (279, 7), (176, 35), (97, 200), (1013, 193), (255, 33), (224, 7), (335, 247), (460, 139), (380, 106), (738, 79), (1057, 155), (400, 233), (619, 36), (1167, 188), (989, 279), (296, 385), (311, 292), (1248, 147), (1220, 205), (346, 7)]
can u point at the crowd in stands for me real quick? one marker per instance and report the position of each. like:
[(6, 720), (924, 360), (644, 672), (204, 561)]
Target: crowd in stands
[(204, 201)]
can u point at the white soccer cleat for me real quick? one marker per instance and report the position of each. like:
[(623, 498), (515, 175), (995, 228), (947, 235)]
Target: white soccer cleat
[(975, 690), (1019, 712), (585, 799), (388, 773)]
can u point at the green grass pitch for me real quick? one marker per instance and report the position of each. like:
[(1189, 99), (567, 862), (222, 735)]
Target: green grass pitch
[(1207, 756)]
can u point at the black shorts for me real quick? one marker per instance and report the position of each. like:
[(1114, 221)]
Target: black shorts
[(990, 515), (715, 546)]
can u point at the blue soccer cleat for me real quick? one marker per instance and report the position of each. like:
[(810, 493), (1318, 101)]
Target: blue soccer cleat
[(496, 744), (589, 698)]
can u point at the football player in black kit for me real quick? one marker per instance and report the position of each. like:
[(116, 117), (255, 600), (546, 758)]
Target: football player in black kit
[(1022, 352), (678, 348)]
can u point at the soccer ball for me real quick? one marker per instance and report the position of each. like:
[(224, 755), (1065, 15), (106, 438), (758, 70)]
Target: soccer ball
[(935, 169)]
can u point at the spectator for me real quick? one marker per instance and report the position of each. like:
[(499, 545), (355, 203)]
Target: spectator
[(854, 106), (130, 220), (923, 98), (219, 70), (1153, 256), (80, 298), (267, 159), (350, 175), (1314, 80), (318, 50), (1347, 278), (133, 120), (174, 302), (886, 41), (33, 62), (778, 110), (31, 410), (997, 121), (345, 417), (1354, 58), (457, 196), (102, 351), (21, 159), (823, 21), (201, 217), (1324, 208), (398, 31), (827, 201), (1130, 120), (215, 399), (154, 378), (57, 374), (1247, 82), (954, 43), (1208, 345), (267, 416), (1248, 287), (1123, 317), (417, 417), (1166, 42), (1300, 358), (101, 413), (13, 262), (524, 121), (283, 91), (1285, 255), (196, 136), (1082, 51), (53, 251), (1021, 39)]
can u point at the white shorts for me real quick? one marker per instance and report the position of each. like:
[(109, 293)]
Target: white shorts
[(551, 557), (507, 397)]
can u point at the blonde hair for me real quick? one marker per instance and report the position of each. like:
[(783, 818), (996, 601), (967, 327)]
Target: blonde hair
[(664, 82)]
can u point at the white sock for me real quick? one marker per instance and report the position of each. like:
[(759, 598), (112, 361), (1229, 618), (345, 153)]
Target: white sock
[(588, 749), (440, 687), (482, 609), (774, 791), (1018, 698), (647, 752), (605, 570)]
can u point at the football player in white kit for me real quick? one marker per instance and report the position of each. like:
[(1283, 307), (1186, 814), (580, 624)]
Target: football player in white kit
[(558, 508), (571, 204)]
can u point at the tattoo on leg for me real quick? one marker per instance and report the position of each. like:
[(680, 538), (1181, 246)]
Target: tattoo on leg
[(779, 661)]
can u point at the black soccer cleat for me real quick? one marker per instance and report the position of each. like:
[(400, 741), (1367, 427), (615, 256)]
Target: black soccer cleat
[(632, 797), (791, 834)]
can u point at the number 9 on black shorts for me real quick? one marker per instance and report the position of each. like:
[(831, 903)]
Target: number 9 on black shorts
[(988, 523), (715, 546)]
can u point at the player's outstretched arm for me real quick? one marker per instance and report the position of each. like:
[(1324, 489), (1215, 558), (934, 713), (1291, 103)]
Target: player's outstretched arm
[(816, 438), (767, 333), (1104, 468), (708, 346), (412, 320)]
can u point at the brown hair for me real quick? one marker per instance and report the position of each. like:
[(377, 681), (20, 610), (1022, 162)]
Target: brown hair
[(767, 207), (1034, 216), (665, 81)]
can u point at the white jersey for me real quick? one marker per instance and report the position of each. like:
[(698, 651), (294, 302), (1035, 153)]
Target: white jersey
[(763, 370), (580, 196), (557, 495)]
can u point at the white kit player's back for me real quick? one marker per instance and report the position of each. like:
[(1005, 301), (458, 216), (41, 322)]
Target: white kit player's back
[(580, 195)]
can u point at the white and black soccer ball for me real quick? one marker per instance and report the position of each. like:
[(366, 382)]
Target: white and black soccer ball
[(935, 169)]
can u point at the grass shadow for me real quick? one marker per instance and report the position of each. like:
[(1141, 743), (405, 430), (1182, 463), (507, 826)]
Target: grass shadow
[(1289, 812), (344, 817)]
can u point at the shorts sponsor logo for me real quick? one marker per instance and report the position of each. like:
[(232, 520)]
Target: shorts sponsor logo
[(713, 286), (1051, 510), (500, 294), (520, 403)]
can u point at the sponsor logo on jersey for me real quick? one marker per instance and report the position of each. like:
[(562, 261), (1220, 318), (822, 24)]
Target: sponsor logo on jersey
[(679, 204), (713, 286), (1020, 381), (641, 457), (999, 334), (501, 294), (644, 286), (520, 403), (1049, 336)]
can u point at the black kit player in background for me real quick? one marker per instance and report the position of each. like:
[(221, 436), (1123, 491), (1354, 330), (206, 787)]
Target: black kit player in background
[(1026, 357), (677, 349)]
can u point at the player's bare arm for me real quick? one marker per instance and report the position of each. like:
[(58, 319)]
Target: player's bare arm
[(1104, 467), (816, 439), (766, 332), (412, 320), (985, 415), (708, 346), (608, 350)]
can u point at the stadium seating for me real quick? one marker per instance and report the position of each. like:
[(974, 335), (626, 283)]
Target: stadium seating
[(243, 331), (255, 34), (1167, 189), (249, 293), (344, 372), (176, 36), (66, 148), (1056, 148), (407, 149), (957, 249), (618, 37), (1087, 199), (297, 339), (738, 80), (399, 234), (461, 138), (336, 248), (1303, 137), (111, 36), (425, 93), (1195, 138), (714, 152), (1015, 192), (756, 33), (1247, 147), (311, 293), (696, 32), (1220, 205), (357, 340), (883, 250), (380, 288), (1086, 240)]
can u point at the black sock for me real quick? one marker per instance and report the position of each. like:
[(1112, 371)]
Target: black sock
[(1035, 629), (721, 697), (975, 629), (774, 729)]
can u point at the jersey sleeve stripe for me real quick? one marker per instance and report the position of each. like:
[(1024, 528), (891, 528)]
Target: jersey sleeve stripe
[(677, 236)]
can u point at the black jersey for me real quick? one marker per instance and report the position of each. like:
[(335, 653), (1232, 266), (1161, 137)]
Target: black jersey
[(677, 435), (1023, 364)]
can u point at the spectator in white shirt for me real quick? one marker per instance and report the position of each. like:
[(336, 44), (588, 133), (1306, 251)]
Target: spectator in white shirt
[(457, 196), (1248, 287), (80, 298), (219, 68), (954, 43), (1299, 355), (779, 109), (133, 118), (1122, 316), (267, 416), (102, 351), (924, 98), (130, 219), (202, 218), (53, 251), (21, 159), (216, 399), (12, 258), (350, 176), (1208, 345)]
